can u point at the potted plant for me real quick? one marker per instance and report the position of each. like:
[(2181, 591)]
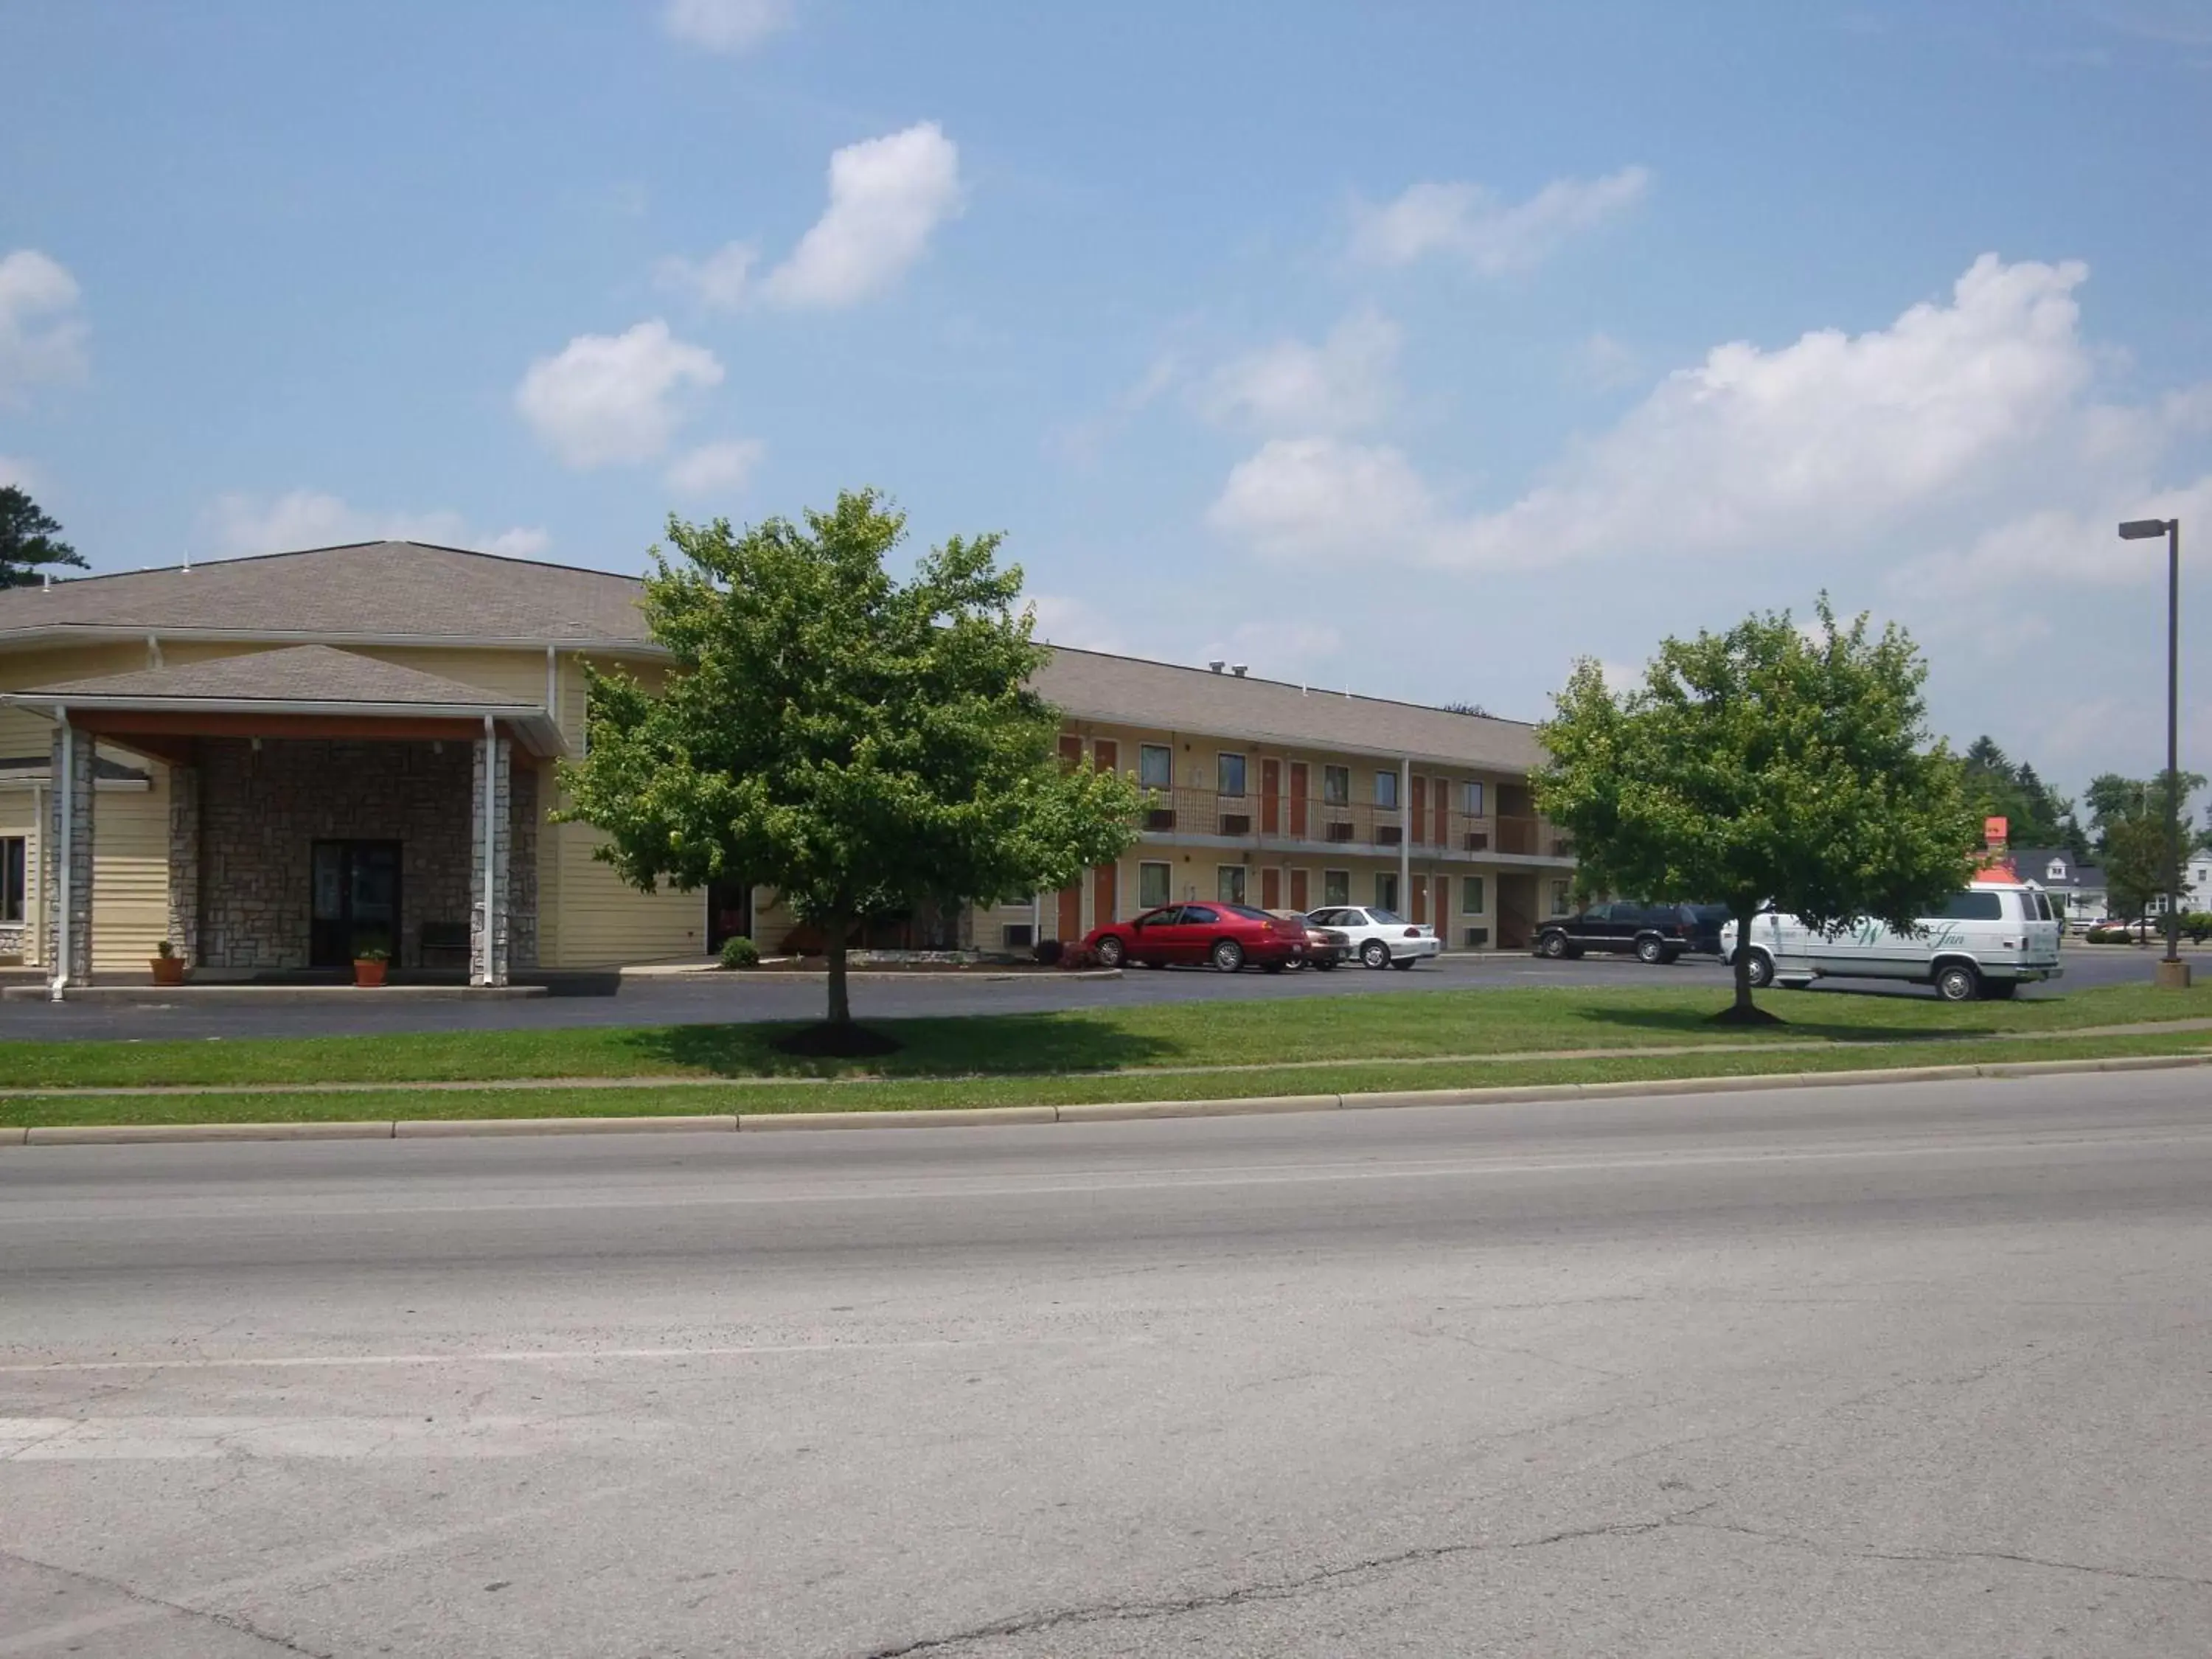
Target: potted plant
[(369, 965), (168, 967)]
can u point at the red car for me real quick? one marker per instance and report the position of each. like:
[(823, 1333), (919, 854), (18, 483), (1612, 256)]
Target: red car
[(1227, 936)]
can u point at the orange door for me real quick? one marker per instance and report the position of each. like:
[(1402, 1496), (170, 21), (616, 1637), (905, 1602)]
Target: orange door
[(1420, 899), (1270, 798), (1443, 819), (1271, 890), (1299, 891), (1070, 750), (1298, 800), (1071, 914), (1106, 754), (1420, 814), (1105, 895)]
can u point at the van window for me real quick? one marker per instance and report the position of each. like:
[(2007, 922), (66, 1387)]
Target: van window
[(1975, 904), (2042, 907)]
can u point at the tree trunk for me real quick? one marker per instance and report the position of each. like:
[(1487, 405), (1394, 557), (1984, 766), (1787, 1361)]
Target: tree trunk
[(837, 928), (1744, 1006)]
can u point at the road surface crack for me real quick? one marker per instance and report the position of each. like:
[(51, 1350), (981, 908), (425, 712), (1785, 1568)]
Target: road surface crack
[(1277, 1589), (147, 1599), (1943, 1556)]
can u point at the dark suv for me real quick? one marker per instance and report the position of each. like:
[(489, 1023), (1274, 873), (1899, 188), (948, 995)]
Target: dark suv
[(1655, 933)]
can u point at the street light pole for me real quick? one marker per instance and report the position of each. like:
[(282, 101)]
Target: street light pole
[(2172, 971)]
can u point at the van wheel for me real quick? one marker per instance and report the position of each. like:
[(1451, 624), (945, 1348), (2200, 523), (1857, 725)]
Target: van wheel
[(1650, 950), (1762, 971), (1957, 983)]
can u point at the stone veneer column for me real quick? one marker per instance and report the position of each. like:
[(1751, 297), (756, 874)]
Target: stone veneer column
[(68, 844), (489, 940), (184, 862)]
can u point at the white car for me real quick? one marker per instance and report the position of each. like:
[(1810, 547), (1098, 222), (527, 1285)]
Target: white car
[(1378, 936), (1987, 941)]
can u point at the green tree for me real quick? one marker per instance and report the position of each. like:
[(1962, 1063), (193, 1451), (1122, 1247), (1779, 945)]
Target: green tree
[(30, 541), (862, 744), (2035, 814), (1764, 764), (2135, 862)]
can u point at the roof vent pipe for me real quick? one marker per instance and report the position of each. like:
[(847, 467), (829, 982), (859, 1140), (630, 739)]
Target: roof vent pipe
[(45, 581), (1218, 663), (1239, 669)]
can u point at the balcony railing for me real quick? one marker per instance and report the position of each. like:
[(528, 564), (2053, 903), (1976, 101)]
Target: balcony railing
[(1433, 831)]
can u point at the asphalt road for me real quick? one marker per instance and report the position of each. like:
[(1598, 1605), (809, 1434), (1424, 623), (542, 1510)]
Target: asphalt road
[(1913, 1371), (715, 998)]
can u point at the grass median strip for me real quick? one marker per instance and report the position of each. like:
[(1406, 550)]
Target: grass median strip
[(1375, 1027), (909, 1094)]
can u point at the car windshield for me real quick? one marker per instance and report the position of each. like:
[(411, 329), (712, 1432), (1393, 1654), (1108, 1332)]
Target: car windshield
[(1385, 918)]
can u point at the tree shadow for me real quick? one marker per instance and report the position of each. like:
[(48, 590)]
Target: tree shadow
[(1682, 1022), (995, 1044)]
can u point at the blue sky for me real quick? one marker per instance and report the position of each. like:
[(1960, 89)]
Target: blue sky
[(1419, 347)]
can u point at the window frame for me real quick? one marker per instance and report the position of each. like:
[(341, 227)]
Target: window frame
[(1336, 890), (1563, 896), (1222, 874), (1144, 753), (1335, 785), (1390, 778), (1480, 887), (1222, 757), (1167, 884), (14, 879), (1473, 798), (1380, 902)]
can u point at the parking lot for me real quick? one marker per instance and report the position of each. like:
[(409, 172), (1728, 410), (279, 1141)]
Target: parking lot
[(715, 998)]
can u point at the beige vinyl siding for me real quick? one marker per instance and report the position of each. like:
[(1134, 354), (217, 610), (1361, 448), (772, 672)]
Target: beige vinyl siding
[(602, 921), (129, 874), (992, 920)]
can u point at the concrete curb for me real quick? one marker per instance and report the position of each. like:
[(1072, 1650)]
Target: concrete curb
[(247, 993), (1109, 1111)]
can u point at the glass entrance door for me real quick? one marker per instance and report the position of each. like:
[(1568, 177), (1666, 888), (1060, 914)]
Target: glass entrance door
[(356, 901)]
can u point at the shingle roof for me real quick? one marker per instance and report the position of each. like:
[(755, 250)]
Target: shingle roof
[(298, 673), (1091, 685), (2033, 862), (364, 590)]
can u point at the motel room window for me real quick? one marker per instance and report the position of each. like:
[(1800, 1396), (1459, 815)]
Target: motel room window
[(1152, 881), (1336, 887), (1563, 899), (1155, 767), (13, 869), (1471, 896), (1230, 884), (1386, 793), (1386, 891), (1229, 769), (1471, 799), (1336, 785)]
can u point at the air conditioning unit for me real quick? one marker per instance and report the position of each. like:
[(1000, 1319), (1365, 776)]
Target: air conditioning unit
[(1478, 840), (1019, 935), (1388, 834), (1340, 832), (1159, 817), (1476, 936), (1235, 823)]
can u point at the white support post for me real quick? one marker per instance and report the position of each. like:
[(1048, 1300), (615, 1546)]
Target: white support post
[(63, 822), (1405, 836)]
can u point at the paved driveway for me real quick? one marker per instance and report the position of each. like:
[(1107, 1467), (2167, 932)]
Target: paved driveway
[(709, 999)]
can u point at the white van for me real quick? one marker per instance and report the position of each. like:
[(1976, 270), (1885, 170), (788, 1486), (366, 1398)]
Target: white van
[(1986, 942)]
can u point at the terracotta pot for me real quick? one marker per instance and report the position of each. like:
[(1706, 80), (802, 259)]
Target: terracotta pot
[(167, 970), (368, 972)]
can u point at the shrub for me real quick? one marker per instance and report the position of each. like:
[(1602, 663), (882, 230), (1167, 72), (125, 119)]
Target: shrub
[(372, 953), (166, 948), (1078, 956), (1049, 951), (2197, 924), (739, 952)]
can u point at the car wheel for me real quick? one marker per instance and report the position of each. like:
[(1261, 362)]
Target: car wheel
[(1553, 946), (1650, 951), (1110, 952), (1375, 953), (1762, 971), (1957, 983), (1227, 956)]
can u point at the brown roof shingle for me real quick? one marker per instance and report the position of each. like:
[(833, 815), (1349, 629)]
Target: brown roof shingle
[(366, 589), (298, 673)]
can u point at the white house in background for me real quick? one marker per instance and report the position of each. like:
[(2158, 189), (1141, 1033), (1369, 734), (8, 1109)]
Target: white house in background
[(2054, 870)]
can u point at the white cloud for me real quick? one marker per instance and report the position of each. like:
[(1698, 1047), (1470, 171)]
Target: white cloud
[(243, 523), (1603, 363), (1348, 380), (14, 470), (1817, 445), (723, 280), (1469, 223), (1075, 623), (726, 465), (613, 398), (734, 27), (2061, 552), (886, 196), (42, 326)]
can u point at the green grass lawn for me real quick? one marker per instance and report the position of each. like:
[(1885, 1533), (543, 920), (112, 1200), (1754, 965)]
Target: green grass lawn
[(912, 1094), (1373, 1027)]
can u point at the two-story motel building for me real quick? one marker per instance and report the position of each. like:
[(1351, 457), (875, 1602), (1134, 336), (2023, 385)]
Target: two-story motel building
[(274, 762)]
